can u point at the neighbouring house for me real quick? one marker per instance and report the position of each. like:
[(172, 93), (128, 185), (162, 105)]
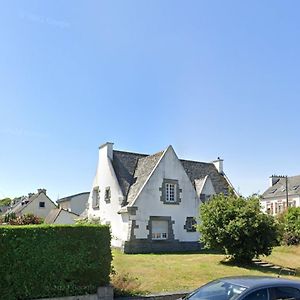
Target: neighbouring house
[(38, 204), (61, 216), (282, 191), (152, 202), (75, 203)]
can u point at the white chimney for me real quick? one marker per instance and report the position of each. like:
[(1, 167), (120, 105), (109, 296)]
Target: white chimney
[(107, 149), (219, 164), (274, 179)]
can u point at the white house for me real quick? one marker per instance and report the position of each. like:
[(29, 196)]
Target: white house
[(61, 216), (75, 203), (282, 190), (152, 202), (38, 204)]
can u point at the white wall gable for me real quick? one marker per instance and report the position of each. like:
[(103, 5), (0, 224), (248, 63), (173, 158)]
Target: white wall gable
[(105, 178), (149, 201)]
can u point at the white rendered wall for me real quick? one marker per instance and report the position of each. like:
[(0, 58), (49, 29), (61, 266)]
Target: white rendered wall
[(108, 212), (149, 203), (78, 203), (265, 203), (208, 188), (65, 218), (33, 207)]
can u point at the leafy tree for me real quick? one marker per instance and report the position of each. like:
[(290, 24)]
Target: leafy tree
[(237, 226), (290, 224), (5, 202)]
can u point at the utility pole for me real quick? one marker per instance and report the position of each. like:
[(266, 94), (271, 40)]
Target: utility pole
[(286, 192)]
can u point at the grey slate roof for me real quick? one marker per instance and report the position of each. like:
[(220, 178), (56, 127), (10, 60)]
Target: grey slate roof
[(198, 170), (144, 167), (133, 169), (278, 189), (69, 198), (54, 213)]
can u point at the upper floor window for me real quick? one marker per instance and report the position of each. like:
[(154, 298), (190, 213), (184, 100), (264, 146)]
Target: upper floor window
[(42, 204), (170, 191), (96, 197)]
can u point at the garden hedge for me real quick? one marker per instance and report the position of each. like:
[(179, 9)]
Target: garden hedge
[(39, 261)]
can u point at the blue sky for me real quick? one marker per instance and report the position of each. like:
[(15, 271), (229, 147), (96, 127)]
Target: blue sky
[(212, 78)]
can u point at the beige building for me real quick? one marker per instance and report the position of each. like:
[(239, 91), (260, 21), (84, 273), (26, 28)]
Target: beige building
[(38, 204), (282, 192)]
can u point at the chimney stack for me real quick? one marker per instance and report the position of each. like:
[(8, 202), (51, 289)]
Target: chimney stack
[(42, 191), (219, 165), (107, 149), (274, 179)]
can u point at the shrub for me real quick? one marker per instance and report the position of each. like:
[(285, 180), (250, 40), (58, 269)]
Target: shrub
[(237, 226), (26, 219), (53, 261), (125, 285), (290, 224)]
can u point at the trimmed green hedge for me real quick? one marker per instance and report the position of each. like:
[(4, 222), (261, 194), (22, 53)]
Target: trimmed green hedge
[(38, 261)]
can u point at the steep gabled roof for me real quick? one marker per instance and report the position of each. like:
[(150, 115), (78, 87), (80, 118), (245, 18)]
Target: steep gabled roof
[(54, 213), (124, 164), (279, 188), (133, 169), (196, 170), (145, 166), (69, 198)]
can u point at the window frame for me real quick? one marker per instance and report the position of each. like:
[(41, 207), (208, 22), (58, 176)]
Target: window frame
[(96, 197)]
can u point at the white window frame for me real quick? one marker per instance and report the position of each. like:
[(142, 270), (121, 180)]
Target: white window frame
[(170, 192)]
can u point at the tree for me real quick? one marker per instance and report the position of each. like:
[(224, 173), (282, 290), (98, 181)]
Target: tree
[(5, 202), (237, 226), (290, 224)]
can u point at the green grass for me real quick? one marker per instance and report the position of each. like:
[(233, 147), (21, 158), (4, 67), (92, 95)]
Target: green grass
[(285, 256), (184, 272)]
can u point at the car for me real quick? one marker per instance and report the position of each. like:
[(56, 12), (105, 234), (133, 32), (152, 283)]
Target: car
[(248, 288)]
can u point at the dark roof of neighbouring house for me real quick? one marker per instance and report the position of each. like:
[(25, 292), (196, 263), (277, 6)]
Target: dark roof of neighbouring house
[(279, 188), (133, 169), (69, 198), (54, 213)]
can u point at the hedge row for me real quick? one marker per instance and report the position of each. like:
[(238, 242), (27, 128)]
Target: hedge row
[(40, 261)]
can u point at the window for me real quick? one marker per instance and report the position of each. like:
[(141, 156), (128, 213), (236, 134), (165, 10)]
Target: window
[(284, 293), (190, 224), (159, 230), (258, 295), (42, 204), (107, 195), (96, 197), (170, 192)]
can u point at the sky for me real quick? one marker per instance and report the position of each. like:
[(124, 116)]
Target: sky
[(211, 78)]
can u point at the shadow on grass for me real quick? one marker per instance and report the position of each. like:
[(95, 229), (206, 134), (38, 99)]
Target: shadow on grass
[(258, 265)]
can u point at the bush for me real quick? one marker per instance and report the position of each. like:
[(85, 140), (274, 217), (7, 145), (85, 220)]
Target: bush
[(26, 219), (125, 285), (237, 226), (53, 261), (290, 224)]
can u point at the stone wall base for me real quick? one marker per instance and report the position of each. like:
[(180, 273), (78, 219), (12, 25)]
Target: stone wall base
[(150, 246), (103, 293)]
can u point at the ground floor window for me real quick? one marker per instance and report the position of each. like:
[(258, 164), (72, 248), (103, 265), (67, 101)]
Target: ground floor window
[(159, 229)]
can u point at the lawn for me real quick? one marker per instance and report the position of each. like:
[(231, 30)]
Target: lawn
[(288, 256), (184, 272)]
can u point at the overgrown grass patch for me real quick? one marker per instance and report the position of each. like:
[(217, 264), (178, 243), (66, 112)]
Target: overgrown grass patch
[(179, 272)]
